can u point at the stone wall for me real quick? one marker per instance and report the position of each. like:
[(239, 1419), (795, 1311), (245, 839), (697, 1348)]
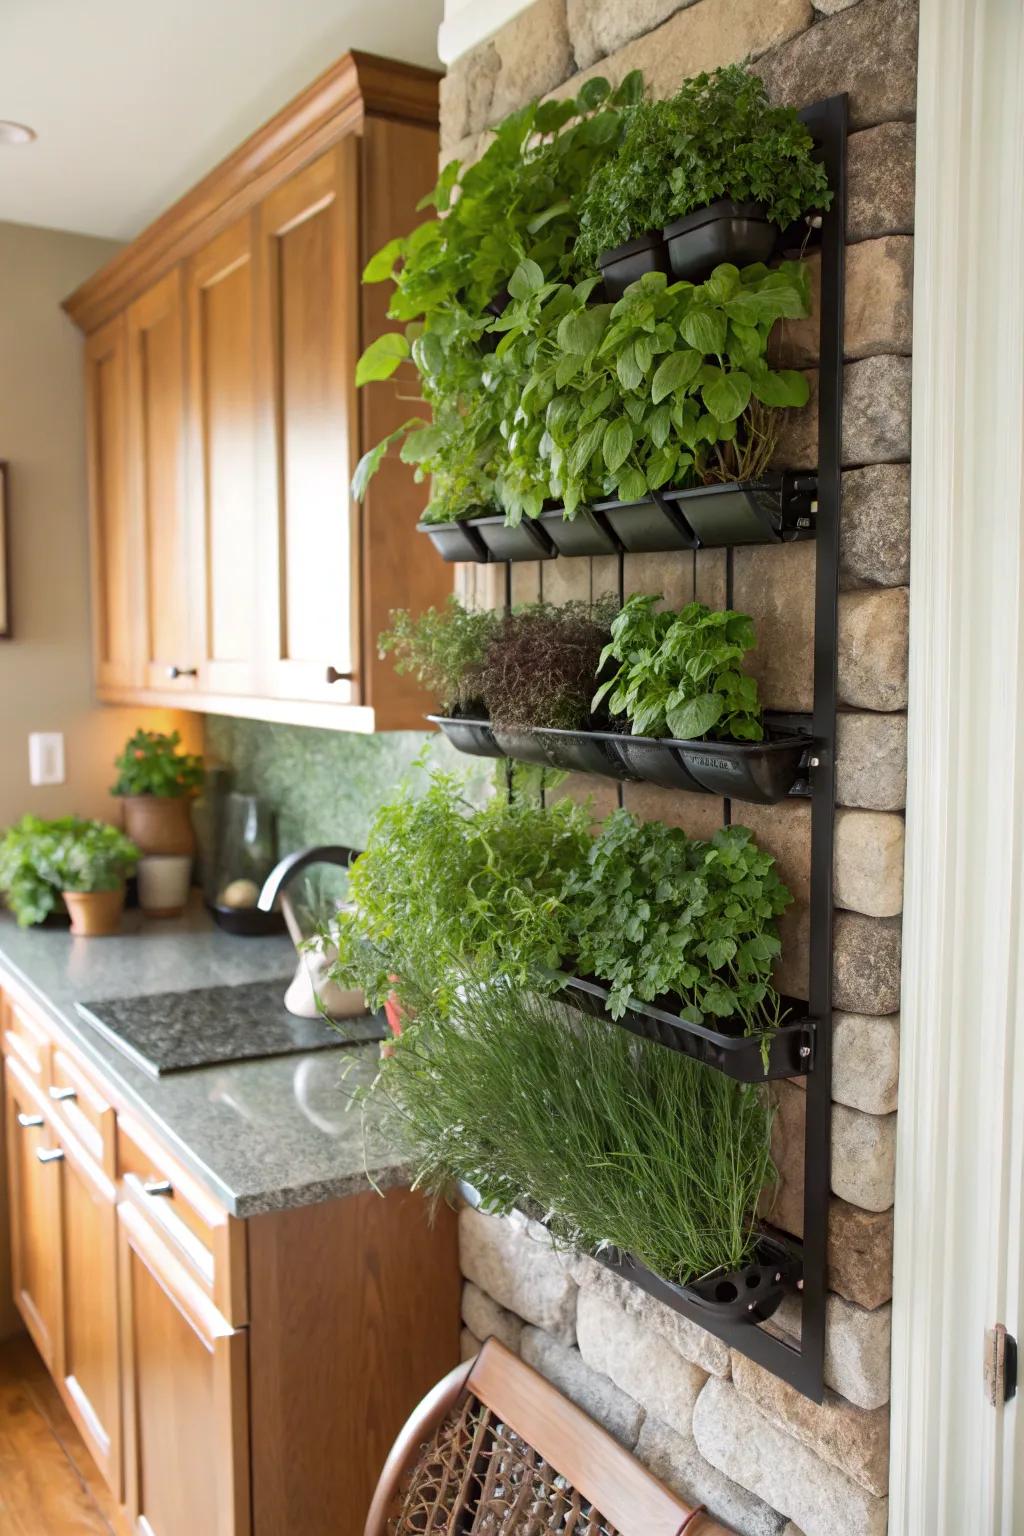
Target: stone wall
[(710, 1422)]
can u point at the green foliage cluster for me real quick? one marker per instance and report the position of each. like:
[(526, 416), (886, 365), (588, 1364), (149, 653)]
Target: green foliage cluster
[(508, 229), (151, 764), (658, 912), (517, 203), (443, 649), (680, 674), (540, 665), (617, 1141), (442, 879), (717, 137), (668, 386), (40, 859), (518, 891)]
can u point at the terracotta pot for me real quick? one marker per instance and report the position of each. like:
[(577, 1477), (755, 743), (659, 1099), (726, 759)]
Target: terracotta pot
[(95, 914), (160, 823)]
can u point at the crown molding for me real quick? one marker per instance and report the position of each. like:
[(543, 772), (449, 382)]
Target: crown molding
[(358, 86)]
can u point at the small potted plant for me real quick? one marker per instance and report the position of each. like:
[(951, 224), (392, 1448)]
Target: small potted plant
[(157, 783), (31, 895), (88, 861), (716, 170)]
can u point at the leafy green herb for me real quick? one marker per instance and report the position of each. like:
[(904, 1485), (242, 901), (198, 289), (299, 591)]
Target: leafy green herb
[(615, 1140), (657, 912), (152, 765), (718, 137), (40, 859), (443, 648), (680, 674), (668, 386)]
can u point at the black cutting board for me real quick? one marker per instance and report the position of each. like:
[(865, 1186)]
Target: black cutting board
[(175, 1031)]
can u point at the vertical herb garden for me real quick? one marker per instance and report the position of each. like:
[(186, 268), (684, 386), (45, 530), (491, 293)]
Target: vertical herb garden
[(585, 1017)]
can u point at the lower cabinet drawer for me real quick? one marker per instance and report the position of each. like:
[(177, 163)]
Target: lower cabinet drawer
[(80, 1105), (26, 1040)]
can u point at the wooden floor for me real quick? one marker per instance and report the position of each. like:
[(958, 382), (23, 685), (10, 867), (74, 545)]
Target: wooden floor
[(49, 1485)]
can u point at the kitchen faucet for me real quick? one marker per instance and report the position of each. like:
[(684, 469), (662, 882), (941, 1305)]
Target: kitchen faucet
[(293, 863)]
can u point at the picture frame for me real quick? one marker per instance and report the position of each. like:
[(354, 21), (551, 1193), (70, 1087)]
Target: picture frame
[(5, 555)]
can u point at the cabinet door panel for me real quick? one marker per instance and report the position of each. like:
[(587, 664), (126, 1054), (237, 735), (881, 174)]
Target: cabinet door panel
[(307, 340), (156, 459), (114, 544), (185, 1397), (222, 467), (89, 1356), (34, 1198)]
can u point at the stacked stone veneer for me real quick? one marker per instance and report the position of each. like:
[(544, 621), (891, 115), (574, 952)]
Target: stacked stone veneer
[(710, 1422)]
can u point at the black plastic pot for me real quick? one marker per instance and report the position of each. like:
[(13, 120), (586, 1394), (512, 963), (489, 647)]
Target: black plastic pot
[(473, 737), (586, 533), (759, 772), (581, 751), (750, 1294), (525, 745), (767, 511), (625, 264), (455, 541), (526, 541), (655, 762), (722, 1046), (723, 231), (652, 526)]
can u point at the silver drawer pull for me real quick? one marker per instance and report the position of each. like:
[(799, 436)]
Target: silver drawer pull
[(158, 1187), (63, 1095), (30, 1122), (49, 1154)]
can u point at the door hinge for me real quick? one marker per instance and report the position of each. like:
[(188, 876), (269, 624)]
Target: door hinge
[(1000, 1365)]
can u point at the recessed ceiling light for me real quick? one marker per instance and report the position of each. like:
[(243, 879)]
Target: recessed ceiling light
[(15, 133)]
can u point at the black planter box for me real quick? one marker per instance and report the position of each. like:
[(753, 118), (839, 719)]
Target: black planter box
[(582, 752), (723, 231), (455, 541), (625, 264), (524, 745), (473, 737), (655, 762), (750, 1294), (724, 1046), (586, 533), (758, 772), (654, 525), (526, 541), (772, 510)]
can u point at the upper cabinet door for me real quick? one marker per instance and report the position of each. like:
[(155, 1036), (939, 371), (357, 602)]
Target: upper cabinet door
[(114, 545), (307, 341), (222, 461), (156, 469)]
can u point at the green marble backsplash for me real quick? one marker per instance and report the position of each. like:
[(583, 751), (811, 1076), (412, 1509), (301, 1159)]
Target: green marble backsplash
[(326, 785)]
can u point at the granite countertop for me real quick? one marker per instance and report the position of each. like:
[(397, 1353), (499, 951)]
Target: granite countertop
[(261, 1135)]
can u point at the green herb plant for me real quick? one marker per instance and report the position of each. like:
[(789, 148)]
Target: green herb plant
[(669, 386), (540, 665), (151, 764), (717, 137), (680, 674), (617, 1141), (443, 649), (516, 203), (90, 856), (439, 878), (658, 912), (40, 859)]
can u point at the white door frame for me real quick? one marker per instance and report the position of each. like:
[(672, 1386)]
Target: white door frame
[(955, 1466)]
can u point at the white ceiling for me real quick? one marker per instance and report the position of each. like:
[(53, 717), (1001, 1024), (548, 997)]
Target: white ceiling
[(133, 100)]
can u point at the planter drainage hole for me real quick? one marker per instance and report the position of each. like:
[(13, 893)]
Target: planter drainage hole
[(753, 1280), (725, 1291)]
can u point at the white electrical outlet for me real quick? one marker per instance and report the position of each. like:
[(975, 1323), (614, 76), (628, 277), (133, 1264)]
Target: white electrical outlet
[(46, 757)]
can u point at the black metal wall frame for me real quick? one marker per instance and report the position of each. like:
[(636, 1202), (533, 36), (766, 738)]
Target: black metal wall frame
[(801, 1362)]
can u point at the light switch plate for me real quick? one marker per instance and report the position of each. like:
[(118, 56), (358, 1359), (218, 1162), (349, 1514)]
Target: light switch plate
[(46, 757)]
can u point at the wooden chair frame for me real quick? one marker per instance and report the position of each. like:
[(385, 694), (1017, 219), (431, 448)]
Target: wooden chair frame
[(606, 1474)]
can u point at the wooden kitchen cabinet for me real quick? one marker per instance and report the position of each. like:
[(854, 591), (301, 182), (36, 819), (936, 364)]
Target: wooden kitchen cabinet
[(232, 571), (88, 1354), (185, 1396), (34, 1202)]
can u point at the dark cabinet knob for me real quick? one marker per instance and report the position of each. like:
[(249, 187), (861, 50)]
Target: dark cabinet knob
[(173, 672), (334, 676)]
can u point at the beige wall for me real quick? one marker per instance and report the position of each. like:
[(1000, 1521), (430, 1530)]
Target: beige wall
[(46, 669)]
